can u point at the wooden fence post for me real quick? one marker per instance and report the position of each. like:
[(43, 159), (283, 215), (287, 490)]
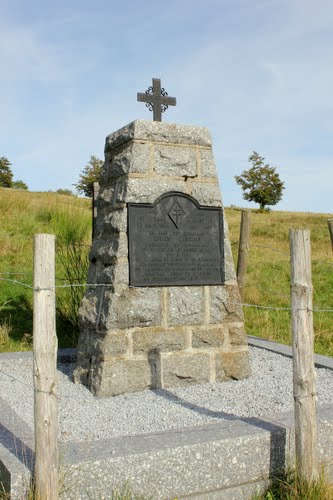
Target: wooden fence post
[(44, 369), (243, 250), (94, 206), (330, 228), (303, 355)]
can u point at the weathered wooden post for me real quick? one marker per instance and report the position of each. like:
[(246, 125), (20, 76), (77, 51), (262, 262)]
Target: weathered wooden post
[(44, 369), (330, 228), (303, 355), (243, 250)]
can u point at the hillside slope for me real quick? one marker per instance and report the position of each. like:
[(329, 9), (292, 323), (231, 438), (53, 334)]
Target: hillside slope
[(22, 214)]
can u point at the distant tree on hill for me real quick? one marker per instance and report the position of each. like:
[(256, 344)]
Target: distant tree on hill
[(89, 175), (19, 185), (6, 174), (261, 183)]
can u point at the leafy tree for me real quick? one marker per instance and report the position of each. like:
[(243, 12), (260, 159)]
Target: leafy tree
[(65, 191), (19, 185), (261, 183), (90, 174), (6, 174)]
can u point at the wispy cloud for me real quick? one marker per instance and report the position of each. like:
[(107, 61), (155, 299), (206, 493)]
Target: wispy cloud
[(258, 74)]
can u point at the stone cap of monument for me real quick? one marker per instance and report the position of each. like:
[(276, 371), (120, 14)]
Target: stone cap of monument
[(144, 130)]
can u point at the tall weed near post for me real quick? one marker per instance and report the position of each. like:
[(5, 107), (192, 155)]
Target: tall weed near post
[(23, 214), (5, 329), (287, 486), (72, 229)]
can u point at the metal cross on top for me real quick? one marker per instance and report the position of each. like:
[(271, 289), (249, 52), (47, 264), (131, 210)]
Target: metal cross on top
[(156, 99)]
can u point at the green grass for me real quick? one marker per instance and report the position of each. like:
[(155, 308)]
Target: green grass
[(287, 486), (22, 214), (268, 274)]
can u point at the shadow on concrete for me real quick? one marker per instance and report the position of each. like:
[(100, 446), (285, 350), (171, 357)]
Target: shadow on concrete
[(17, 447), (278, 433)]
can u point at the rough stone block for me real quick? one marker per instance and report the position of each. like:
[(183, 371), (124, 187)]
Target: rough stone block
[(140, 161), (186, 305), (133, 157), (131, 307), (158, 132), (175, 161), (120, 376), (160, 340), (120, 164), (112, 221), (94, 348), (237, 335), (92, 273), (225, 304), (218, 296), (109, 274), (112, 343), (107, 251), (233, 305), (121, 274), (207, 194), (208, 336), (208, 168), (88, 312), (232, 365), (148, 190), (185, 369), (114, 195), (229, 268)]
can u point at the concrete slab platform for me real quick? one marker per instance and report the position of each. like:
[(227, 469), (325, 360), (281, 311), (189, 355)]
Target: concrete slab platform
[(228, 460)]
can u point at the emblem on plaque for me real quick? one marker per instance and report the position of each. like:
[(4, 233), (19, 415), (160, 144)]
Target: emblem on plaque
[(175, 241), (176, 213)]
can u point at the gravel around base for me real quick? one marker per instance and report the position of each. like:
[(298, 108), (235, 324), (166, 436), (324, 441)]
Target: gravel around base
[(83, 417)]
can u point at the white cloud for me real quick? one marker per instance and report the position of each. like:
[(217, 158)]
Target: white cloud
[(257, 74)]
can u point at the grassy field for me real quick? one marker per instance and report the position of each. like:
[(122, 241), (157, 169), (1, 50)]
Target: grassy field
[(23, 214), (268, 275)]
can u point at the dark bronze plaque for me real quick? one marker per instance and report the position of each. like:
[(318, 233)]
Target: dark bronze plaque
[(175, 241)]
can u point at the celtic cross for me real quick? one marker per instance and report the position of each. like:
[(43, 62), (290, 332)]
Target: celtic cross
[(156, 99)]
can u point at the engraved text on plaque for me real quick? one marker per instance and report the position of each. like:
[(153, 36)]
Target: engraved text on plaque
[(175, 241)]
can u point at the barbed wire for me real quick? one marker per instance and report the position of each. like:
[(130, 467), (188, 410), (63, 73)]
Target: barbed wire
[(13, 274), (74, 285), (17, 282), (270, 248), (282, 308), (110, 285), (313, 260), (236, 242), (31, 274), (322, 263), (273, 292), (40, 289), (30, 238), (8, 237)]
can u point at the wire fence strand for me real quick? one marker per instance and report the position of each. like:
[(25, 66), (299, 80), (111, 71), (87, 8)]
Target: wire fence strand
[(17, 282), (110, 285), (270, 248), (273, 292)]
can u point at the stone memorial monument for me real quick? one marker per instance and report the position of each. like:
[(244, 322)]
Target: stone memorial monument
[(165, 309)]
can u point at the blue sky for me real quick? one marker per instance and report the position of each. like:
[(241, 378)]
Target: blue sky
[(257, 73)]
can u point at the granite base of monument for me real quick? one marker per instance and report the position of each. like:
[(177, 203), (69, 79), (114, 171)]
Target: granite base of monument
[(166, 310)]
